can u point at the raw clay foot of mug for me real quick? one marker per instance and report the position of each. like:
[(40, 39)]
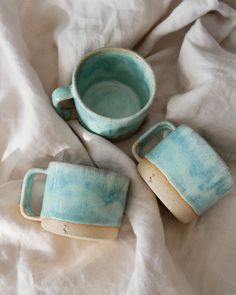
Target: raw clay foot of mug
[(82, 231), (166, 192)]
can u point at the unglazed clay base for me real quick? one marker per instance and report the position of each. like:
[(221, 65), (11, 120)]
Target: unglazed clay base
[(165, 191), (76, 230)]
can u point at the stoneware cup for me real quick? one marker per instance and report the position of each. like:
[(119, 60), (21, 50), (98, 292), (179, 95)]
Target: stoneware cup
[(183, 170), (112, 89), (78, 201)]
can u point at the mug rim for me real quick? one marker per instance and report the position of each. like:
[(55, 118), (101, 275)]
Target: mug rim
[(124, 119)]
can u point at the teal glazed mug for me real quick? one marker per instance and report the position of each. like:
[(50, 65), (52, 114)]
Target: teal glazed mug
[(183, 170), (78, 201), (112, 88)]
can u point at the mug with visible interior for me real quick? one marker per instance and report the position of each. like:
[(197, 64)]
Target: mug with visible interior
[(112, 88), (183, 170), (78, 201)]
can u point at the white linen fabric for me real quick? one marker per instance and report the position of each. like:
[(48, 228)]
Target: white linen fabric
[(191, 46)]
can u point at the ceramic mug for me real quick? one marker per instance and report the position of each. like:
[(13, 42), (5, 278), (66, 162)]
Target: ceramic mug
[(78, 201), (183, 170), (112, 89)]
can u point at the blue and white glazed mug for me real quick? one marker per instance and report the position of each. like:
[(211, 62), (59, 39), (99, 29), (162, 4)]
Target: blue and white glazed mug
[(78, 201), (112, 88), (183, 170)]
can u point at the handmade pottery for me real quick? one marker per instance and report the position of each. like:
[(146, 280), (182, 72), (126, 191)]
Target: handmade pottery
[(112, 88), (183, 170), (78, 201)]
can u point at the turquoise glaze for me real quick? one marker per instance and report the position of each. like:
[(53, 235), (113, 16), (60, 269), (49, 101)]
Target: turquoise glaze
[(113, 90), (79, 194), (190, 164)]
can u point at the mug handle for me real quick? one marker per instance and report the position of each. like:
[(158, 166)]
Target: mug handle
[(138, 146), (25, 209), (58, 96)]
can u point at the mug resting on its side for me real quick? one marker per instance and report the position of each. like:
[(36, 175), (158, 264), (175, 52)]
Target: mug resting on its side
[(112, 88), (78, 201), (183, 170)]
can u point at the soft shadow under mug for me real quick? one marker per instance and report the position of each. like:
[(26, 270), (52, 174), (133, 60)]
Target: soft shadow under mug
[(78, 201), (183, 170)]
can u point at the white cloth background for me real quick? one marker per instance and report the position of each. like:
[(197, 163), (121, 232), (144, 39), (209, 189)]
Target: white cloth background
[(191, 46)]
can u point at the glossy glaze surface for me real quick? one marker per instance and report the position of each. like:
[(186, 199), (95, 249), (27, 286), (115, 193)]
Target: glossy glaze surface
[(113, 90), (79, 194), (192, 167), (112, 99)]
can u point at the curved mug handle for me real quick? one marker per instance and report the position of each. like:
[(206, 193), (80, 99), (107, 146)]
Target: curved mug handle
[(25, 209), (138, 146), (58, 96)]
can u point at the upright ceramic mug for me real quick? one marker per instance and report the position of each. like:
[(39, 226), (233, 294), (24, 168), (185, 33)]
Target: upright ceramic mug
[(78, 201), (112, 88), (183, 170)]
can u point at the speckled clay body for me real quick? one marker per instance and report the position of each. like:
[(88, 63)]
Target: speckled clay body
[(190, 168), (85, 201), (113, 90)]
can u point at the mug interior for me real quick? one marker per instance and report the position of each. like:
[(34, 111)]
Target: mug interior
[(114, 83)]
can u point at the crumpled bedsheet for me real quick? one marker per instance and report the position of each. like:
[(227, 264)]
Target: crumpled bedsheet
[(191, 46)]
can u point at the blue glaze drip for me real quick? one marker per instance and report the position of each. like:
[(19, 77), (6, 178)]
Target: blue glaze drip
[(84, 195), (193, 167)]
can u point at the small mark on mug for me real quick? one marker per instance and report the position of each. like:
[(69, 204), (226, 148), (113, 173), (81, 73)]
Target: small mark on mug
[(65, 229)]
